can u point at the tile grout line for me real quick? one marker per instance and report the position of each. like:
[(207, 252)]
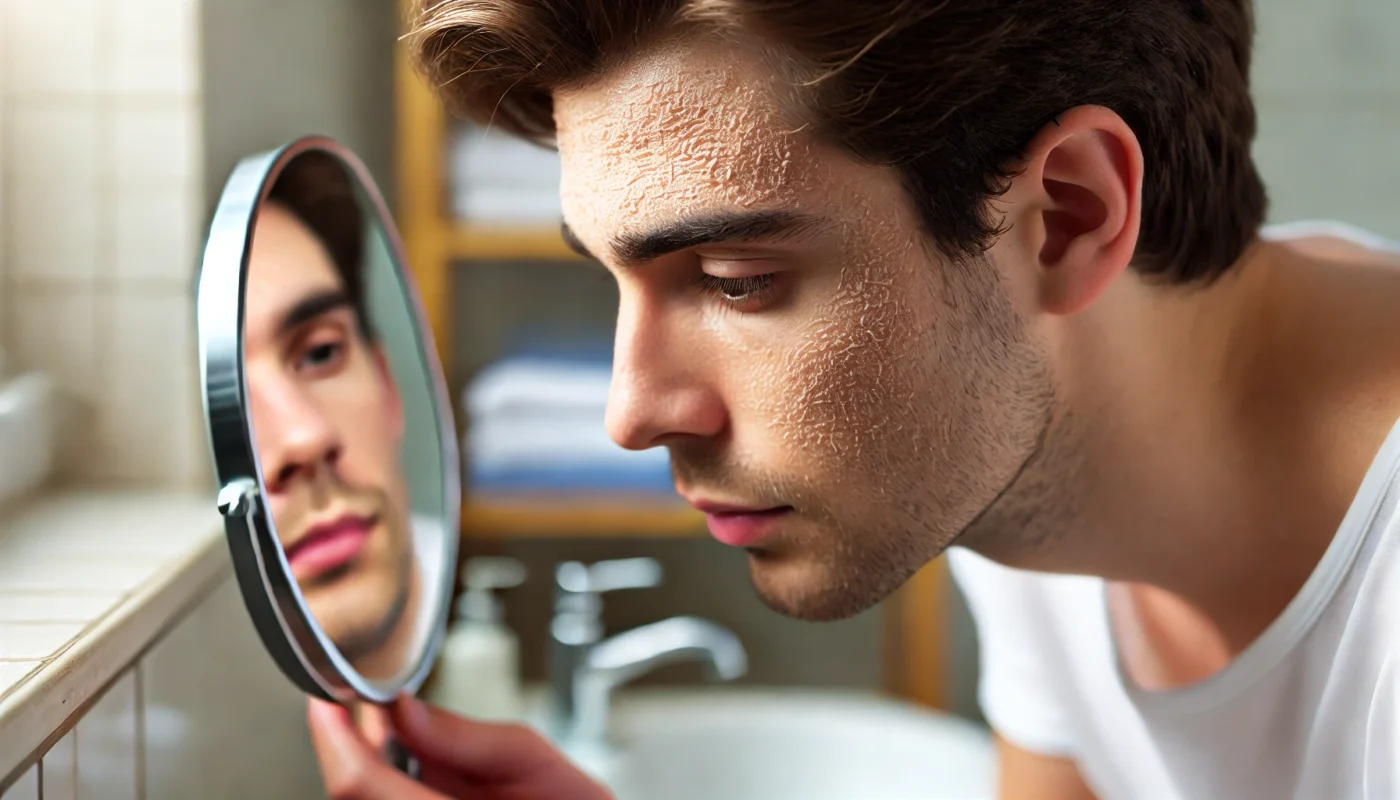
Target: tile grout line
[(139, 675), (104, 315)]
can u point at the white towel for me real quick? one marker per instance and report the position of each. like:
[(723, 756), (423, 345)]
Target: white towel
[(536, 385)]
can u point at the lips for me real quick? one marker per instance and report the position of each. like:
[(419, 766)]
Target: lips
[(329, 546), (738, 526)]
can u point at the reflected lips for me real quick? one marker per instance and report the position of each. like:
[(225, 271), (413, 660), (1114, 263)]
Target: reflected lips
[(329, 546), (740, 527)]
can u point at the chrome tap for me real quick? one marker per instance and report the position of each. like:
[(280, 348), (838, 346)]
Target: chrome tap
[(584, 670)]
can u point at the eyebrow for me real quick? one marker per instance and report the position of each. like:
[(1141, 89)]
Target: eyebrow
[(634, 249), (311, 307)]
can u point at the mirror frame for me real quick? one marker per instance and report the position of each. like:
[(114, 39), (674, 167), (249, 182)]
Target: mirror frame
[(274, 600)]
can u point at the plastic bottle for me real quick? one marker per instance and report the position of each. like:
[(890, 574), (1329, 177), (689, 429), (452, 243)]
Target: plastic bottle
[(478, 672)]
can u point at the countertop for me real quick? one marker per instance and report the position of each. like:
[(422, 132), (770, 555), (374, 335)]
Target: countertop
[(88, 580)]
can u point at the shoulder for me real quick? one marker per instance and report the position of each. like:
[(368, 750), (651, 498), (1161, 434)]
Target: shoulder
[(1040, 649), (1335, 241)]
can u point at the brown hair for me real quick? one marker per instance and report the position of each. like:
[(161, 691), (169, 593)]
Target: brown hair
[(319, 191), (948, 93)]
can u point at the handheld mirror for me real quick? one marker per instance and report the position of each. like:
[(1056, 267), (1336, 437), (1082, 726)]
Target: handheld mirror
[(332, 438)]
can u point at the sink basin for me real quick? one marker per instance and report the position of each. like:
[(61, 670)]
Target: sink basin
[(26, 433), (744, 744)]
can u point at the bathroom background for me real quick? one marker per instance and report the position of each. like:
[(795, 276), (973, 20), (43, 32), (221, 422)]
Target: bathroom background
[(119, 122)]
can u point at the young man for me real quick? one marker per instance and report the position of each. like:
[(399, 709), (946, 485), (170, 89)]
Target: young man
[(900, 276), (327, 418)]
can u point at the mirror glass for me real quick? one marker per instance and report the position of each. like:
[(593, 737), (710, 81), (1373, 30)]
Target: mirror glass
[(346, 424)]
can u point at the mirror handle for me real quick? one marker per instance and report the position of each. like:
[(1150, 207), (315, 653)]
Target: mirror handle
[(400, 758)]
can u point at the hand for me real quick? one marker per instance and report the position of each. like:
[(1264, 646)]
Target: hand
[(460, 759)]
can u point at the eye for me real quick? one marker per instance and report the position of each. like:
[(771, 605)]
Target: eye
[(747, 291), (320, 353)]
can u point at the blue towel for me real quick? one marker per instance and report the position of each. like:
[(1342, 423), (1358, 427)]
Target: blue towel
[(570, 478)]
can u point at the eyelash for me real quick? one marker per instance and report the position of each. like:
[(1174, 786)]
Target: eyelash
[(750, 290)]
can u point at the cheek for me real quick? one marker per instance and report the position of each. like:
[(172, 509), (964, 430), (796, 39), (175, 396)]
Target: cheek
[(360, 409), (848, 380), (855, 370)]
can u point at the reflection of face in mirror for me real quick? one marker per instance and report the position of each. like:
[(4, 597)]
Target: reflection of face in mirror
[(328, 417)]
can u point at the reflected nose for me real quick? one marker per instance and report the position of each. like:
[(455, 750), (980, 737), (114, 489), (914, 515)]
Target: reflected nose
[(657, 393), (294, 439)]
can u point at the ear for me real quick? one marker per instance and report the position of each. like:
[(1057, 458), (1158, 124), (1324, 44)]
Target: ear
[(1080, 198), (391, 388)]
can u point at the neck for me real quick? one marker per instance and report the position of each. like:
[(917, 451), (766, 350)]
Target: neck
[(1216, 467)]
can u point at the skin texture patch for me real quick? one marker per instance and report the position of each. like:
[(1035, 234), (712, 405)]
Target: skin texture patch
[(885, 397)]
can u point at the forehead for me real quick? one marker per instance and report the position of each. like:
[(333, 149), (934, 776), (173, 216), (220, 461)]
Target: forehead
[(695, 126), (286, 264)]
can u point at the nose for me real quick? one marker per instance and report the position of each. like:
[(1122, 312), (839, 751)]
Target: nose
[(658, 391), (294, 439)]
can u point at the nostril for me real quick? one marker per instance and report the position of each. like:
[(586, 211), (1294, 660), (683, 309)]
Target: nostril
[(285, 473)]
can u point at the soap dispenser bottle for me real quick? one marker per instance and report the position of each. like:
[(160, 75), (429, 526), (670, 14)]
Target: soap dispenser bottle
[(478, 673)]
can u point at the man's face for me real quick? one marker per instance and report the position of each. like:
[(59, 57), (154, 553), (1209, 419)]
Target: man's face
[(786, 333), (328, 421)]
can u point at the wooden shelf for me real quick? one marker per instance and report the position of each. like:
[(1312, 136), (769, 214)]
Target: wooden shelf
[(504, 242), (561, 516)]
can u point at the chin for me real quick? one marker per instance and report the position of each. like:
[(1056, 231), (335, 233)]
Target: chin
[(356, 615), (807, 590), (830, 583)]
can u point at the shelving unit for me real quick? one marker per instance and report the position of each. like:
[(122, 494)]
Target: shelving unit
[(437, 245)]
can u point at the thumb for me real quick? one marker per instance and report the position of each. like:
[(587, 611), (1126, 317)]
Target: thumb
[(350, 767), (482, 751)]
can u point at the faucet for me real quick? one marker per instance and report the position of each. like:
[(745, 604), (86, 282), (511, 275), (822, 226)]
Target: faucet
[(584, 669)]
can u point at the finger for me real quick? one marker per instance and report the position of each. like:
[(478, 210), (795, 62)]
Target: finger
[(350, 768), (484, 751), (375, 724)]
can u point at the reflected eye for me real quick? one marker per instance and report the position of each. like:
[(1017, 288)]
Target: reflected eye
[(749, 290), (321, 354)]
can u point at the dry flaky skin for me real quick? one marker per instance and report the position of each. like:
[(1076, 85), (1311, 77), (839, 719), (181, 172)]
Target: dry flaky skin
[(863, 402)]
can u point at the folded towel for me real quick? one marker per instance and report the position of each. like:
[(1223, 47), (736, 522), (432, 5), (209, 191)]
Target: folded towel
[(567, 478), (523, 443), (540, 385)]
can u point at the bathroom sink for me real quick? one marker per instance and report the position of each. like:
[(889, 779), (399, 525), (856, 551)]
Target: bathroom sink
[(26, 433), (740, 744)]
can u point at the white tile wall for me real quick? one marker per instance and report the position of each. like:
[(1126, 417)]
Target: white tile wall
[(26, 789), (109, 745), (60, 768), (101, 170), (205, 713), (153, 44), (255, 713), (4, 213), (48, 58), (152, 339)]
